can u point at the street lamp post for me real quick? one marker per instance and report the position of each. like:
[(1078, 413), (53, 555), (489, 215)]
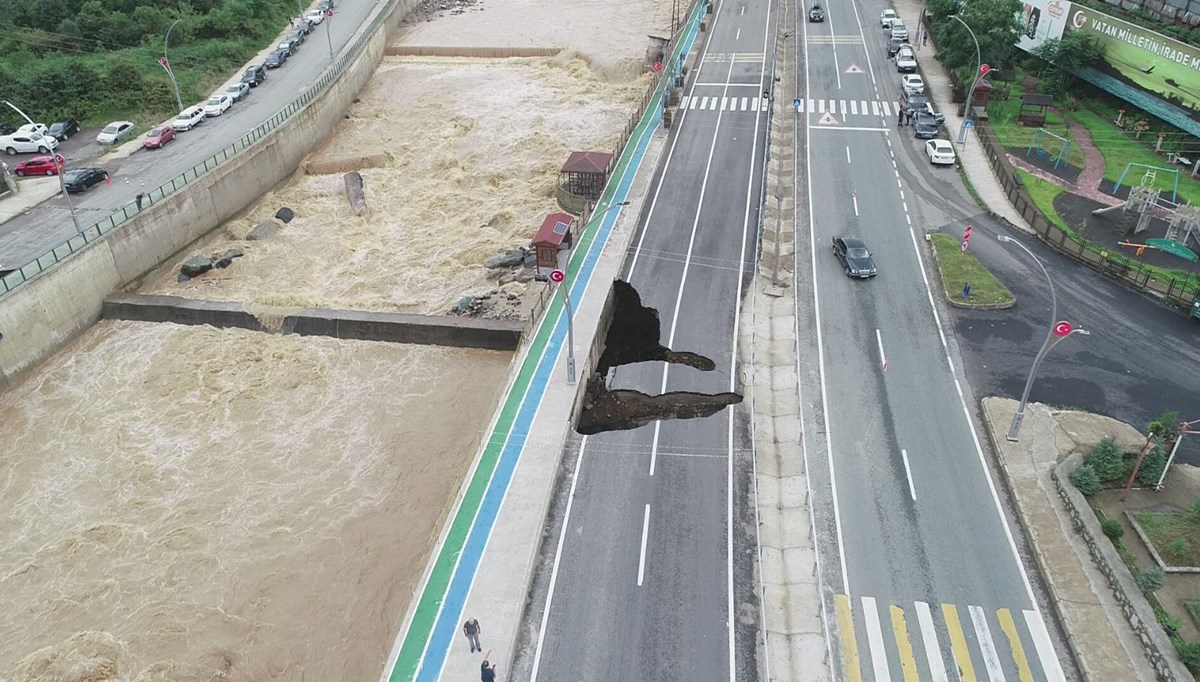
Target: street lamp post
[(166, 64), (22, 113), (328, 31), (62, 184), (962, 130), (1057, 332)]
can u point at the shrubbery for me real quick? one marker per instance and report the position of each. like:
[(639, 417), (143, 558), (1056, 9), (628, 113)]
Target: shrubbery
[(1084, 477), (1107, 460)]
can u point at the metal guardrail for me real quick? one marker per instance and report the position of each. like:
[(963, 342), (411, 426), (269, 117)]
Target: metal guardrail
[(122, 215)]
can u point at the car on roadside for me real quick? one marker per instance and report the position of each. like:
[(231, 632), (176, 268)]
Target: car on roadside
[(912, 83), (38, 165), (64, 128), (894, 45), (906, 60), (275, 59), (886, 17), (217, 105), (6, 129), (816, 14), (288, 46), (918, 103), (316, 16), (255, 75), (83, 179), (856, 259), (33, 129), (237, 91), (27, 143), (188, 118), (309, 25), (158, 137), (325, 5), (926, 126), (899, 30), (940, 152), (115, 132), (297, 37)]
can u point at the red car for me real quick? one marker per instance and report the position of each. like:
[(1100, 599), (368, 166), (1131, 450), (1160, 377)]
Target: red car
[(158, 137), (38, 165)]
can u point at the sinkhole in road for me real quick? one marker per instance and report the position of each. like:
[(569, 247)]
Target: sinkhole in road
[(634, 334)]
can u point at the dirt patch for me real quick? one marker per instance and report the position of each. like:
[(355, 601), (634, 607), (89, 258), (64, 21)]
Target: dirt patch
[(1045, 162)]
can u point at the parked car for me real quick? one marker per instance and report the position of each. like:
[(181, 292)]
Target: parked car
[(912, 83), (276, 59), (926, 127), (287, 46), (83, 179), (886, 17), (894, 45), (158, 137), (237, 91), (188, 118), (316, 16), (254, 75), (115, 132), (918, 103), (298, 36), (816, 14), (33, 129), (899, 30), (64, 128), (38, 165), (217, 105), (25, 143), (940, 152), (325, 5), (6, 129), (906, 60), (856, 259), (309, 25)]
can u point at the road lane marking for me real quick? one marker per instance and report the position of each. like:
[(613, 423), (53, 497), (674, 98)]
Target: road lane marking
[(820, 106), (855, 129), (958, 644), (844, 111), (863, 36), (845, 617), (908, 663), (879, 340), (854, 198), (879, 662), (929, 640), (745, 103), (847, 153), (712, 106), (1014, 644), (991, 660), (1045, 650), (739, 31), (912, 491), (642, 554)]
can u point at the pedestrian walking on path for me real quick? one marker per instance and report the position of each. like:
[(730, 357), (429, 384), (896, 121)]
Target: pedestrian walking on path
[(487, 671), (138, 200), (471, 629)]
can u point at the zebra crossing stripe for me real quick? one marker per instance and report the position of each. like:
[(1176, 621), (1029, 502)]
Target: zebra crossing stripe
[(854, 107), (712, 106), (958, 644), (844, 107), (1014, 643), (887, 111), (724, 102), (754, 104), (983, 634), (1045, 651), (879, 662), (845, 618), (820, 106), (908, 664), (745, 103), (933, 650)]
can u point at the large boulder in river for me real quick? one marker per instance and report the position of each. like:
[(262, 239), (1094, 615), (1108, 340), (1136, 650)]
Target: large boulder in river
[(508, 259), (263, 230), (285, 215), (196, 266)]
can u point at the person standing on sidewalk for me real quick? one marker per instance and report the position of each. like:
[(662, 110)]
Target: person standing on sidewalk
[(899, 115), (487, 672), (471, 629)]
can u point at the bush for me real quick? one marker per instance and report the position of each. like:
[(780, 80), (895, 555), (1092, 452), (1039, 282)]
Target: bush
[(1167, 621), (1151, 580), (1179, 546), (1112, 528), (1196, 510), (1152, 465), (1085, 479), (1106, 459), (1189, 653)]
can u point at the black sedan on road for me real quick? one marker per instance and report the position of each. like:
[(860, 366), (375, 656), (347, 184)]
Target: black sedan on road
[(856, 259), (816, 14), (276, 59), (64, 128), (83, 179), (927, 126)]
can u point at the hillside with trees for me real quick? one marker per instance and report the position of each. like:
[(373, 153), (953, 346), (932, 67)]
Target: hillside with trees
[(98, 60)]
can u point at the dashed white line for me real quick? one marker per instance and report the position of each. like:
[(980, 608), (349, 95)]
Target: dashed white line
[(847, 154), (912, 490), (882, 355), (642, 556), (854, 197), (738, 36)]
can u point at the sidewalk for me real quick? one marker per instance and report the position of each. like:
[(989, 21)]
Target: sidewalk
[(970, 154), (33, 192), (1098, 633)]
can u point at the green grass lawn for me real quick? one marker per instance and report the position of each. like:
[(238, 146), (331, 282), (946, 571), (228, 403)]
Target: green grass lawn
[(1002, 116), (958, 268), (1175, 536), (1043, 194), (1120, 149), (1193, 608)]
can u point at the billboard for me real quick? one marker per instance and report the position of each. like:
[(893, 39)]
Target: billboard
[(1042, 19)]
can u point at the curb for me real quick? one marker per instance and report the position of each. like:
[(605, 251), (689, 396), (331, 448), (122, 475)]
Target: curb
[(1137, 528), (955, 303)]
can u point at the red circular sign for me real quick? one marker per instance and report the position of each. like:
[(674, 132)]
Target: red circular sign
[(983, 69), (162, 60), (658, 66), (58, 158), (1062, 329), (557, 275)]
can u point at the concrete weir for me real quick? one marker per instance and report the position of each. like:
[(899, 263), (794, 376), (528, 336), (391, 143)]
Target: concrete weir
[(436, 330)]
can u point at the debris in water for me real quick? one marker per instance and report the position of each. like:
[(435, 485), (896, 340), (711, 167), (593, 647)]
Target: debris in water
[(263, 230), (354, 192), (285, 215)]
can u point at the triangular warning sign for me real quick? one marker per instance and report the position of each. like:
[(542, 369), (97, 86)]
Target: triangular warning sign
[(828, 119), (853, 68)]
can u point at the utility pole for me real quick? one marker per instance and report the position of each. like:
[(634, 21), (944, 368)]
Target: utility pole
[(166, 64), (328, 31)]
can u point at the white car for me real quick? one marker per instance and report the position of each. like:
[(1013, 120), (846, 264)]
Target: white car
[(115, 132), (912, 83), (887, 17), (33, 129), (26, 143), (899, 30), (940, 152), (237, 91), (906, 61), (188, 118), (316, 16), (217, 104)]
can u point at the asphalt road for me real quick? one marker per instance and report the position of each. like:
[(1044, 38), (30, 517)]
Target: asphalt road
[(26, 237), (924, 568), (653, 566)]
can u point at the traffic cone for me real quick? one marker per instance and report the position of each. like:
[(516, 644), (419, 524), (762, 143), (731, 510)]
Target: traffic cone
[(108, 179)]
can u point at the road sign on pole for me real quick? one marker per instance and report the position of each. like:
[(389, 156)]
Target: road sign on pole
[(557, 276), (657, 66), (1062, 329), (984, 69)]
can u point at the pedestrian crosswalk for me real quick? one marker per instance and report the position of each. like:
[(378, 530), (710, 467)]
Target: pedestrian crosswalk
[(880, 641), (836, 107)]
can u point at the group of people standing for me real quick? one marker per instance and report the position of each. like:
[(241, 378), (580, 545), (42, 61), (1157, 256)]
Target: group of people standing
[(487, 671), (905, 115)]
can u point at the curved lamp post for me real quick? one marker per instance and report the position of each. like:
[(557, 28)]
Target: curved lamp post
[(1057, 332), (166, 64), (962, 130)]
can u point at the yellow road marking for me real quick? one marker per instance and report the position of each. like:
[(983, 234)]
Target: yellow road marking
[(1014, 641), (908, 664), (849, 644), (958, 644)]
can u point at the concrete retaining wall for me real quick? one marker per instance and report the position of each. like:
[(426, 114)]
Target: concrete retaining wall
[(53, 307), (474, 52), (458, 332)]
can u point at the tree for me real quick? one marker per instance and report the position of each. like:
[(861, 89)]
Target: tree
[(1107, 460), (1151, 580), (1064, 56), (1085, 479), (1152, 465), (994, 23)]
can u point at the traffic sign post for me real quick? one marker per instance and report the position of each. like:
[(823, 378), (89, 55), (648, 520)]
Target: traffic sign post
[(966, 239), (328, 30), (984, 69), (559, 277), (1062, 329)]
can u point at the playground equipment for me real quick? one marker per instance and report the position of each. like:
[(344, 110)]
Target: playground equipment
[(1149, 177), (1185, 219), (1041, 150)]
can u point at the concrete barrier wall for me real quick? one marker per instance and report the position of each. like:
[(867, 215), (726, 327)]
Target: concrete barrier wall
[(434, 330), (60, 303), (474, 52)]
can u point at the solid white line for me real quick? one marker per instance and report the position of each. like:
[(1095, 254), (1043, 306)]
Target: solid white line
[(847, 154), (1045, 650), (933, 650), (879, 340), (879, 662), (562, 536), (991, 660), (854, 198), (912, 490), (654, 448), (849, 128), (642, 556)]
